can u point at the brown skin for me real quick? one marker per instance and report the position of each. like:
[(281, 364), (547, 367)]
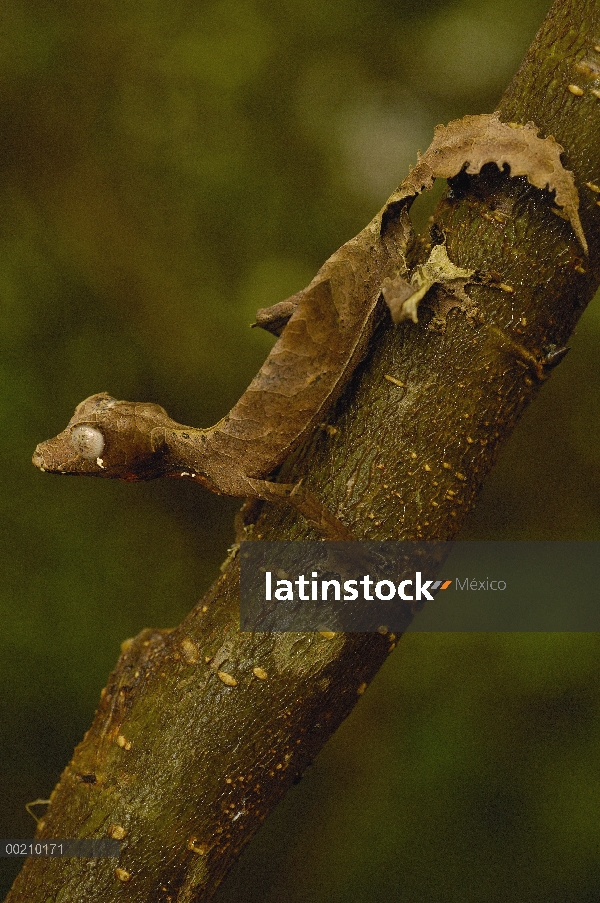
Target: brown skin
[(325, 332), (129, 452), (141, 442)]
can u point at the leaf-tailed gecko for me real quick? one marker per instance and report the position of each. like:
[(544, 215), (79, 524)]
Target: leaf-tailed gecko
[(324, 331)]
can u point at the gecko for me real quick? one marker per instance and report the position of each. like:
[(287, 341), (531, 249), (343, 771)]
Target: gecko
[(323, 333)]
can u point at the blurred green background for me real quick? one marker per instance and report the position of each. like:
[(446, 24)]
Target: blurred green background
[(165, 169)]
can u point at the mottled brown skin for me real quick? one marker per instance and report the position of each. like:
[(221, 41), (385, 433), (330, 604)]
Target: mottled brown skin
[(141, 442), (327, 331), (129, 453), (324, 332)]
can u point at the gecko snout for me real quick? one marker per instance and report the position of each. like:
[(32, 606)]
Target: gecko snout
[(38, 458)]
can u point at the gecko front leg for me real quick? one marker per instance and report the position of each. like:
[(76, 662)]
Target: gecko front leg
[(306, 502), (134, 441), (274, 319)]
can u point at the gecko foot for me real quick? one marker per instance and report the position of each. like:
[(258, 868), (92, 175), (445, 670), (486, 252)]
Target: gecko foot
[(307, 504), (275, 318)]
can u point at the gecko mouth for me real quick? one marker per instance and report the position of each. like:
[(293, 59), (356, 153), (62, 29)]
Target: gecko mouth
[(62, 456), (55, 456), (38, 459)]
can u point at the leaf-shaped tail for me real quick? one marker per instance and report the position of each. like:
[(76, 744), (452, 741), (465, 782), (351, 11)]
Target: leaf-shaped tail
[(472, 142)]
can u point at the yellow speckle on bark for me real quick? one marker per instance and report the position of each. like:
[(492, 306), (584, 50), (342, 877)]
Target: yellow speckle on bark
[(330, 430), (228, 679), (123, 875), (260, 673), (200, 848), (190, 651), (576, 90)]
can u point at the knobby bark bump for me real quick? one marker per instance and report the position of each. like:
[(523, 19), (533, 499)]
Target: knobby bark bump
[(202, 729)]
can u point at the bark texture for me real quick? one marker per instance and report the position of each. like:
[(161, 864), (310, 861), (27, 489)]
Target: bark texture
[(182, 763)]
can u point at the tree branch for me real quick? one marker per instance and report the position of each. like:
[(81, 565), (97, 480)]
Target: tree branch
[(185, 767)]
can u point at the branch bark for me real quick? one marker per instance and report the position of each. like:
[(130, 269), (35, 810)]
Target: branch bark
[(184, 767)]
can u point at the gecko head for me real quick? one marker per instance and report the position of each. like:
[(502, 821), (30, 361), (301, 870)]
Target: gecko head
[(107, 438)]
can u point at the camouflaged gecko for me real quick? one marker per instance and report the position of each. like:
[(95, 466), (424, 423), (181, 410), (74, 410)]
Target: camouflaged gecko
[(324, 331)]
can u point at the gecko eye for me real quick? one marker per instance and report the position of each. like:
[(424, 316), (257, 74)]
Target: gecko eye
[(88, 441)]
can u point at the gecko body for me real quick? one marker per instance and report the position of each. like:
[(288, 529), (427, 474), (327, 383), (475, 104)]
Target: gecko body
[(324, 332)]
